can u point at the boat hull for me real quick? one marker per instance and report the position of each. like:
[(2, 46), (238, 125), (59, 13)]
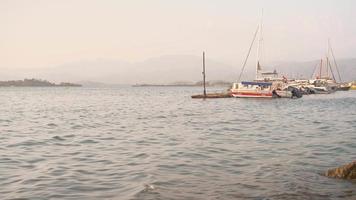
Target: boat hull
[(284, 94), (344, 88), (251, 95)]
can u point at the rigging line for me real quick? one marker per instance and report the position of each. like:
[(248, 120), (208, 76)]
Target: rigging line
[(316, 66), (248, 54), (331, 70), (327, 66), (337, 68)]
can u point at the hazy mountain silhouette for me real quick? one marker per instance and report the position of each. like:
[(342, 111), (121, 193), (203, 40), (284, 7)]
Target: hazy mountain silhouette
[(167, 69), (347, 69), (158, 70)]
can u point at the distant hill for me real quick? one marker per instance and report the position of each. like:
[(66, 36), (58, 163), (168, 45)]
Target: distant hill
[(159, 70), (165, 70), (347, 68), (35, 83), (93, 84)]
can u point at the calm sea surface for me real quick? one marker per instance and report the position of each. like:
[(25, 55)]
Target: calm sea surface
[(158, 143)]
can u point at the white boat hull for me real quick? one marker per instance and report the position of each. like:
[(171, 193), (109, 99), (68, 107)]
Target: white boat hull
[(250, 94), (284, 93)]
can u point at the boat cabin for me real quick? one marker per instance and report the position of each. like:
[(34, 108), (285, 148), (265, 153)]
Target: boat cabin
[(253, 85)]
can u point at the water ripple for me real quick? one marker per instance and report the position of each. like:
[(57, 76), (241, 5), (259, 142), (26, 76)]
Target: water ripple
[(158, 143)]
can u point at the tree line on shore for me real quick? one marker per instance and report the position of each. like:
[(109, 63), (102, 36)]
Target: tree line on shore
[(35, 83)]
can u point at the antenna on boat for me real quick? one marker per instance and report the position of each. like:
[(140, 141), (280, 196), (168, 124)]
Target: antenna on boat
[(204, 74)]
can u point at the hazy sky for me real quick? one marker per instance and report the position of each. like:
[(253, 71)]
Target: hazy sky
[(46, 33)]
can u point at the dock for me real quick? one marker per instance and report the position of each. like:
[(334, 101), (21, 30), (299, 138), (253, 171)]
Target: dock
[(206, 95), (212, 95)]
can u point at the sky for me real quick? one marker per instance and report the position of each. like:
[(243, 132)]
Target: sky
[(47, 33)]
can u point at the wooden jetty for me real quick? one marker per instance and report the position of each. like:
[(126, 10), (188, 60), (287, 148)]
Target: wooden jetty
[(209, 95), (212, 95)]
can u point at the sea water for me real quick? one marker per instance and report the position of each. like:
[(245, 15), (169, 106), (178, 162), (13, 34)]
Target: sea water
[(158, 143)]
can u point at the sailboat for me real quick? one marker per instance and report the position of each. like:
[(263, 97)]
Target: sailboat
[(324, 78), (266, 84)]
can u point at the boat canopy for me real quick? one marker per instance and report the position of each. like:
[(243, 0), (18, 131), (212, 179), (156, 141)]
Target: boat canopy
[(256, 83)]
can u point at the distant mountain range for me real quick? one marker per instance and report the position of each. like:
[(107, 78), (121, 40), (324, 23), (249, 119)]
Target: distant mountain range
[(165, 70), (347, 69)]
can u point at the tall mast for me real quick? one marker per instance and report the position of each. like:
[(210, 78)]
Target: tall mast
[(258, 66), (327, 60), (321, 67), (204, 74)]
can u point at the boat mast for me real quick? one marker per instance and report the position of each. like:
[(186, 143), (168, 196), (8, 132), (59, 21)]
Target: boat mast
[(327, 66), (337, 68), (258, 66), (204, 74), (328, 61), (321, 67)]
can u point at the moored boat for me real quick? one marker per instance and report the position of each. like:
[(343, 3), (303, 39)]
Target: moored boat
[(353, 85), (323, 80), (266, 84), (252, 89), (255, 89), (344, 87)]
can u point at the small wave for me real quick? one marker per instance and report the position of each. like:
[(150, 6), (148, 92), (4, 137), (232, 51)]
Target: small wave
[(58, 138), (141, 155), (76, 127), (52, 125), (35, 160), (69, 136), (27, 143), (88, 141)]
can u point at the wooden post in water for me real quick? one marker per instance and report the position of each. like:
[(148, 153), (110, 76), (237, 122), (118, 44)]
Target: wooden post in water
[(204, 74), (211, 95)]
